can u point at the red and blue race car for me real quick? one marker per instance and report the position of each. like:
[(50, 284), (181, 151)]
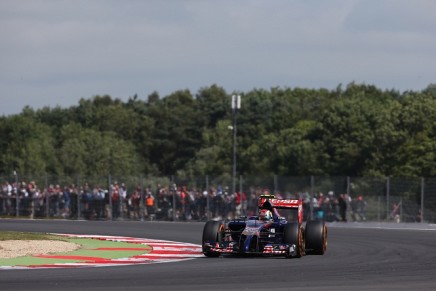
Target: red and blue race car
[(277, 230)]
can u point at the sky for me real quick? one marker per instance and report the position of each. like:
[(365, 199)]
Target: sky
[(55, 52)]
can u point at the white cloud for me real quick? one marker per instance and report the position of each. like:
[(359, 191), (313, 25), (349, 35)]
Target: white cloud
[(55, 52)]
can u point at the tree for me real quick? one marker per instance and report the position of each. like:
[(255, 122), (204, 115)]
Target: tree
[(30, 147), (214, 158), (176, 136), (212, 105), (416, 155), (87, 152), (347, 129), (361, 130)]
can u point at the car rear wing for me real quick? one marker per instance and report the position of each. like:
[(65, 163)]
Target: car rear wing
[(270, 202)]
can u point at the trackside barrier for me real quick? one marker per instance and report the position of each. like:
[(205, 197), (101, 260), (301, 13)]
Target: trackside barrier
[(361, 199)]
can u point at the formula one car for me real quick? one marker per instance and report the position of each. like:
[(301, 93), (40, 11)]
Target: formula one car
[(269, 233)]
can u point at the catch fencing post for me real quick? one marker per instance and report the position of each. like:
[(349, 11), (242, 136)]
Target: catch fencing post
[(141, 205), (174, 187), (387, 199), (350, 211), (422, 199), (17, 199), (78, 207), (47, 198), (243, 203), (401, 209), (378, 208), (120, 200), (236, 105), (312, 195), (207, 197), (110, 196)]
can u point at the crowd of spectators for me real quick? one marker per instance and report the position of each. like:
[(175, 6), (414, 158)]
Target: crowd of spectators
[(164, 202), (333, 207), (117, 202)]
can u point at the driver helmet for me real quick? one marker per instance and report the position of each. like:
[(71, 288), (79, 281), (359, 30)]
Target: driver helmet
[(265, 214)]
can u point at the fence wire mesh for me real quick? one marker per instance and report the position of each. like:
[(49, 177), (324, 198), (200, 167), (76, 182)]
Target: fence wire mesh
[(398, 199)]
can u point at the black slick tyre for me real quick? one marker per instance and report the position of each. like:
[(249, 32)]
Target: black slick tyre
[(211, 234), (316, 237), (293, 235)]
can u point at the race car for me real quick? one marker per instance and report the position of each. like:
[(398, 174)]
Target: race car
[(269, 233)]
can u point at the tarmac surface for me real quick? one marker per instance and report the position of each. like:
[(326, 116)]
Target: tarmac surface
[(360, 256)]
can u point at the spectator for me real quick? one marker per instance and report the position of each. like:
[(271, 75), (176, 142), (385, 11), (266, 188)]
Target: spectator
[(190, 211), (24, 199), (149, 202), (240, 203), (136, 202), (212, 203), (7, 192), (67, 200), (252, 203), (218, 203), (87, 200), (418, 217), (115, 200), (99, 202), (395, 212), (74, 203), (123, 197), (38, 203), (317, 206), (360, 208), (229, 204), (182, 198), (166, 202), (342, 202), (200, 202), (31, 188), (53, 200)]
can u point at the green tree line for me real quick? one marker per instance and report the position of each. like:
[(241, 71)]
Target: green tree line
[(359, 130)]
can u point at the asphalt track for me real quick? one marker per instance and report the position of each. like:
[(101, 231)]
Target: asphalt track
[(359, 257)]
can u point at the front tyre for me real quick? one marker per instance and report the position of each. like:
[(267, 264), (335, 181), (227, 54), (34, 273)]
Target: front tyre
[(293, 235), (211, 234), (316, 237)]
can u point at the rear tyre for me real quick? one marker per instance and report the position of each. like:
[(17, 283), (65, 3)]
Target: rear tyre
[(212, 233), (316, 237), (293, 235)]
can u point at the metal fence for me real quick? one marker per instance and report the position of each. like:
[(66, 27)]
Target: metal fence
[(174, 198)]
